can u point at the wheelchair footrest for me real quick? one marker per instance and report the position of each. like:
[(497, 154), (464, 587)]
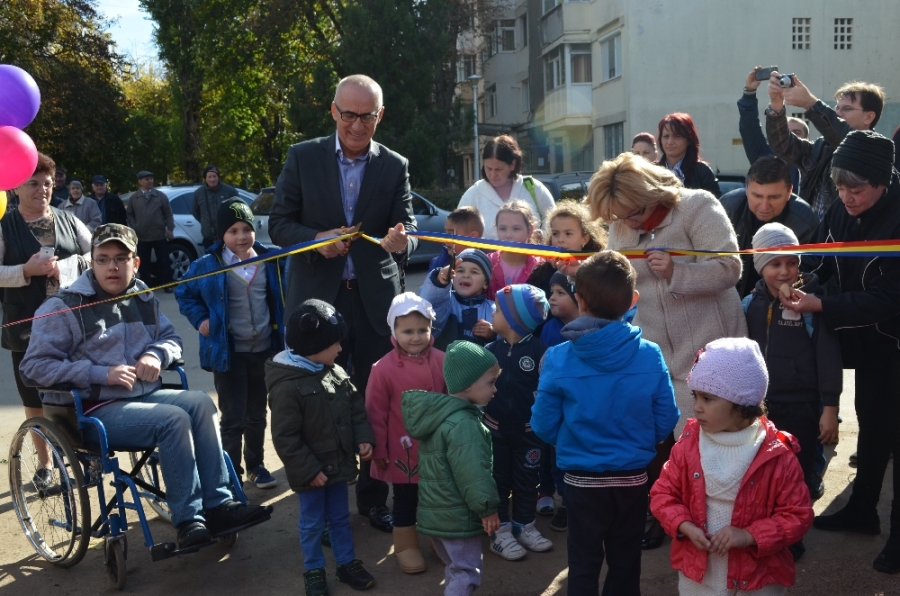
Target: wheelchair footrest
[(242, 528)]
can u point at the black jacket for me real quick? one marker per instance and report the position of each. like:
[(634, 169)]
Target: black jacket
[(797, 215), (812, 158), (112, 209), (510, 410), (308, 201), (802, 355), (703, 178), (867, 307)]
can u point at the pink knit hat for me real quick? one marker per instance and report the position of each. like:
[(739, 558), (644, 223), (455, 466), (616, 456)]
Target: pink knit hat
[(731, 368)]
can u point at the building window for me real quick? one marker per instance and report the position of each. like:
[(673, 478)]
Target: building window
[(843, 34), (581, 62), (800, 33), (614, 140), (611, 57), (555, 68), (505, 36), (523, 23), (526, 96), (490, 99), (465, 67), (550, 5)]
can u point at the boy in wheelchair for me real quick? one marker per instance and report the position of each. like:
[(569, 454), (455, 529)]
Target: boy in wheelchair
[(114, 352)]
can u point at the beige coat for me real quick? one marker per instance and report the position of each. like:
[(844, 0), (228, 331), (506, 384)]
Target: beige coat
[(700, 302)]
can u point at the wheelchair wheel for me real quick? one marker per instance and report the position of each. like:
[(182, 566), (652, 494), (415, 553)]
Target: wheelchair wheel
[(229, 539), (115, 563), (52, 505), (151, 473)]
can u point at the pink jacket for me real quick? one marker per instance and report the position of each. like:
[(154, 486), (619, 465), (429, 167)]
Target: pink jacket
[(390, 377), (772, 504), (498, 280)]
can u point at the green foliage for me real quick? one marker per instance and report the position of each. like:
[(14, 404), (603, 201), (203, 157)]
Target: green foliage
[(82, 122)]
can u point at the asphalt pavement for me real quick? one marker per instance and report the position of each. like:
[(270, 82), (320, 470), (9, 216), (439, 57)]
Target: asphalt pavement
[(267, 560)]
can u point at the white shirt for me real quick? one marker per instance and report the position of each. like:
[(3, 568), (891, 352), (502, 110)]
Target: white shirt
[(483, 197), (230, 258)]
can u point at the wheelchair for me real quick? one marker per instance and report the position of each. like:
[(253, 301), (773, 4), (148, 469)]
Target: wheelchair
[(53, 506)]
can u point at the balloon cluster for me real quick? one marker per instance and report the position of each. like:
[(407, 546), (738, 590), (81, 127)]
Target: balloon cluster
[(20, 99)]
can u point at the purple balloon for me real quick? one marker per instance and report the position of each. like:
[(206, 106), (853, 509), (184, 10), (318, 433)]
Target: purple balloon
[(20, 97)]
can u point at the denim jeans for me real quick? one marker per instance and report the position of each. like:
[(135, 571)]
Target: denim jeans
[(183, 424), (331, 502)]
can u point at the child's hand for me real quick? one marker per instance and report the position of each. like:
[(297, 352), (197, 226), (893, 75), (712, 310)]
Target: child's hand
[(445, 275), (828, 425), (365, 451), (319, 481), (730, 537), (693, 533), (491, 523), (204, 328), (567, 266), (381, 463), (483, 329)]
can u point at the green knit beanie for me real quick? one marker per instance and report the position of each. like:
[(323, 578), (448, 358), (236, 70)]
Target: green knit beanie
[(464, 364)]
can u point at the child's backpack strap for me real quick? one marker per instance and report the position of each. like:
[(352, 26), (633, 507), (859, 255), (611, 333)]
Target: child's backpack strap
[(528, 183)]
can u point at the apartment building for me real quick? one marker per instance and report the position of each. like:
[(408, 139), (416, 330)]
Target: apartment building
[(574, 81)]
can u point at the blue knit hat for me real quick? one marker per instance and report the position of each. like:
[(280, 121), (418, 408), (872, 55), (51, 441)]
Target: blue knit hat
[(473, 255), (524, 307)]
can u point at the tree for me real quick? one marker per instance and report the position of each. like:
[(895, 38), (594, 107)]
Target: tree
[(82, 123)]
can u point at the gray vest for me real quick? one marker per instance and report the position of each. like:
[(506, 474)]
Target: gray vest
[(249, 322)]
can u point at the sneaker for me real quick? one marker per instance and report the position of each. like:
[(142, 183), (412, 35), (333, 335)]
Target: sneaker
[(315, 582), (381, 519), (797, 550), (504, 544), (888, 560), (354, 575), (817, 491), (545, 505), (531, 538), (560, 521), (848, 520), (42, 478), (234, 514), (261, 478), (854, 460), (192, 533)]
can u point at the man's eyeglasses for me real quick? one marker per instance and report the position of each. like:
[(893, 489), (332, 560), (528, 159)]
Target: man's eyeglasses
[(348, 116), (633, 214), (845, 109), (119, 260)]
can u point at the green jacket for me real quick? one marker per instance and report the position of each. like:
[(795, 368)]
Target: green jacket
[(318, 419), (456, 486)]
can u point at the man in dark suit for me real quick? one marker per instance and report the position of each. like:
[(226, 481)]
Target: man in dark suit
[(347, 181)]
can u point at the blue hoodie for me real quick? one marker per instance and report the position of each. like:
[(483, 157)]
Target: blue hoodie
[(604, 398)]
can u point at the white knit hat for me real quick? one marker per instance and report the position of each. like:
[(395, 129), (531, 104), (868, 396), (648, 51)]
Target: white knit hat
[(769, 236), (406, 303), (731, 368)]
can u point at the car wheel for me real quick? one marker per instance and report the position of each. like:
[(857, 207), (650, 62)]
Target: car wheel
[(180, 259)]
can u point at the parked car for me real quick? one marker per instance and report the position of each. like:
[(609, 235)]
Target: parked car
[(727, 182), (187, 243), (568, 185), (429, 218)]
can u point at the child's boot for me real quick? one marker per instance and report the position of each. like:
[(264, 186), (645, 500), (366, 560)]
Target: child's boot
[(406, 548), (504, 544), (531, 538)]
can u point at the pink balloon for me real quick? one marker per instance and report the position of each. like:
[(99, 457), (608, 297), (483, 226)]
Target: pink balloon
[(18, 157)]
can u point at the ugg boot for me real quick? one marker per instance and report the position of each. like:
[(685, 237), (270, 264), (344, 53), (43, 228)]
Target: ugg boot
[(406, 548)]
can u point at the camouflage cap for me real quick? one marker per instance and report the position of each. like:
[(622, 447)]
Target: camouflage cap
[(115, 232)]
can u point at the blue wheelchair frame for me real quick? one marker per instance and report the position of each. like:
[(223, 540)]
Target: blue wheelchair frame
[(112, 522)]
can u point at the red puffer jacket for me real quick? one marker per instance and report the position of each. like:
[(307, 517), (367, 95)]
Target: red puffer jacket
[(772, 504)]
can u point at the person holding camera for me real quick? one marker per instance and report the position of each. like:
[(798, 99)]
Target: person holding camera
[(859, 106), (752, 137)]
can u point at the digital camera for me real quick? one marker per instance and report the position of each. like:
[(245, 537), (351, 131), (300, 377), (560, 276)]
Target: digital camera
[(786, 80)]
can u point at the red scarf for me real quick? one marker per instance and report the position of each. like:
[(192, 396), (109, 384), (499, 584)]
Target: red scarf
[(656, 218)]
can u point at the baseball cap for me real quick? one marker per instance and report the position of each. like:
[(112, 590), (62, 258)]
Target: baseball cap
[(98, 179), (115, 232)]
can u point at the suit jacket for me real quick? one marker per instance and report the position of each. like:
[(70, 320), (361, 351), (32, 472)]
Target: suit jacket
[(308, 201)]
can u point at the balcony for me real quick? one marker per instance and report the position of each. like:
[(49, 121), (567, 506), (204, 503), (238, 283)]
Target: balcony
[(566, 18), (567, 106)]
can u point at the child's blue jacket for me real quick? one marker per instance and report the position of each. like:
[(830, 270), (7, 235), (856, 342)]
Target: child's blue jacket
[(207, 298), (604, 397)]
